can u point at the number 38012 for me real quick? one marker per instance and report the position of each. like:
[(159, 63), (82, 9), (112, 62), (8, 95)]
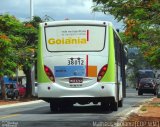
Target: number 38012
[(75, 62)]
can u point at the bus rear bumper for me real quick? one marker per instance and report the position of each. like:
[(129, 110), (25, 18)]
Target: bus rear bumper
[(98, 90)]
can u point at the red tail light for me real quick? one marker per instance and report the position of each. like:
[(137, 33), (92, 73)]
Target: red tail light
[(49, 73), (102, 72)]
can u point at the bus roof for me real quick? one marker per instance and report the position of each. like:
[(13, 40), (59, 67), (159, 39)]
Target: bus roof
[(86, 22), (71, 22)]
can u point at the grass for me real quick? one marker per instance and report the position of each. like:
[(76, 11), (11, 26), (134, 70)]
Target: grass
[(157, 104), (143, 109)]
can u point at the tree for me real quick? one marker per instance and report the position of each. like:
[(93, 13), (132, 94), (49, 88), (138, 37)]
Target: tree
[(9, 39), (142, 24), (136, 62), (18, 42), (29, 52)]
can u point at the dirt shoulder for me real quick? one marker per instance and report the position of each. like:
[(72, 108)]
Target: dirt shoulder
[(147, 116)]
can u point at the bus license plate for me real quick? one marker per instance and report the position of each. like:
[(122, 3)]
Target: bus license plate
[(75, 61), (76, 80)]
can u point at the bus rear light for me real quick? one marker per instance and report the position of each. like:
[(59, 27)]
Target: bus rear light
[(102, 72), (49, 73)]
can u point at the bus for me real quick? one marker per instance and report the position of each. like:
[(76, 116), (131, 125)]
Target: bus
[(80, 61)]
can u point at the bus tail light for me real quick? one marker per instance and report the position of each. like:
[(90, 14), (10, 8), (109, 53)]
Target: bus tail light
[(102, 72), (49, 73)]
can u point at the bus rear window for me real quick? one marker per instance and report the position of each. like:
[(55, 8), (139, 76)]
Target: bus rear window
[(75, 38)]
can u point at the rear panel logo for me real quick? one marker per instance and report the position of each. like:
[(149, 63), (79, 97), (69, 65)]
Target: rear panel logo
[(70, 37)]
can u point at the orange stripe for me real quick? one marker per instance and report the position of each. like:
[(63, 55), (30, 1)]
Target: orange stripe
[(92, 71)]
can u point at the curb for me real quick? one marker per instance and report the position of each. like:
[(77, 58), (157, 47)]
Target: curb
[(134, 111), (20, 104)]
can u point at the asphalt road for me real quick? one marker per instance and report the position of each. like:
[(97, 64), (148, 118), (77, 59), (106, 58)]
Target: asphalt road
[(39, 115)]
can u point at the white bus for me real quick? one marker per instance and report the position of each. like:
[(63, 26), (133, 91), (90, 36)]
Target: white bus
[(80, 61)]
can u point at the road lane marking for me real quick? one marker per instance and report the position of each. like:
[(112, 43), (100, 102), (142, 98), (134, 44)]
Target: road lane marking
[(8, 116)]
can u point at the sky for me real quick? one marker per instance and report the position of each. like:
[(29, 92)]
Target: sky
[(56, 9)]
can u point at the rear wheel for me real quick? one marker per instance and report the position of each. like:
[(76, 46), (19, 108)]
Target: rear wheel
[(120, 103), (12, 97), (17, 96), (155, 92), (104, 105), (114, 106), (66, 106), (54, 107), (140, 92)]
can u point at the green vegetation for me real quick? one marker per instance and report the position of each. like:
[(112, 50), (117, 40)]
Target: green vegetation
[(18, 42), (156, 104), (143, 109), (142, 24)]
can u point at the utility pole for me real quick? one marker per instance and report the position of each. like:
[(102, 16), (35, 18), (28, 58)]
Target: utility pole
[(31, 10), (28, 72), (94, 13)]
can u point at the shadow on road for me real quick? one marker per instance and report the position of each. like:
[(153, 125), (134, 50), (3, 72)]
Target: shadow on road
[(71, 110), (141, 96), (133, 93)]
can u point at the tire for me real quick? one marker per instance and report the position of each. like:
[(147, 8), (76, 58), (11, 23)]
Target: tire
[(12, 97), (120, 103), (104, 106), (66, 106), (114, 106), (155, 92), (54, 107), (17, 96), (140, 92)]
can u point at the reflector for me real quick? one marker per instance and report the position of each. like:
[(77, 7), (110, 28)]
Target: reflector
[(49, 73), (102, 72)]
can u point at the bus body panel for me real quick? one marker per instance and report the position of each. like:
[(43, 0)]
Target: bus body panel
[(64, 72), (57, 91), (41, 76)]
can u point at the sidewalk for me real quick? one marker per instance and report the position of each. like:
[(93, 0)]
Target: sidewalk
[(13, 101), (18, 102)]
